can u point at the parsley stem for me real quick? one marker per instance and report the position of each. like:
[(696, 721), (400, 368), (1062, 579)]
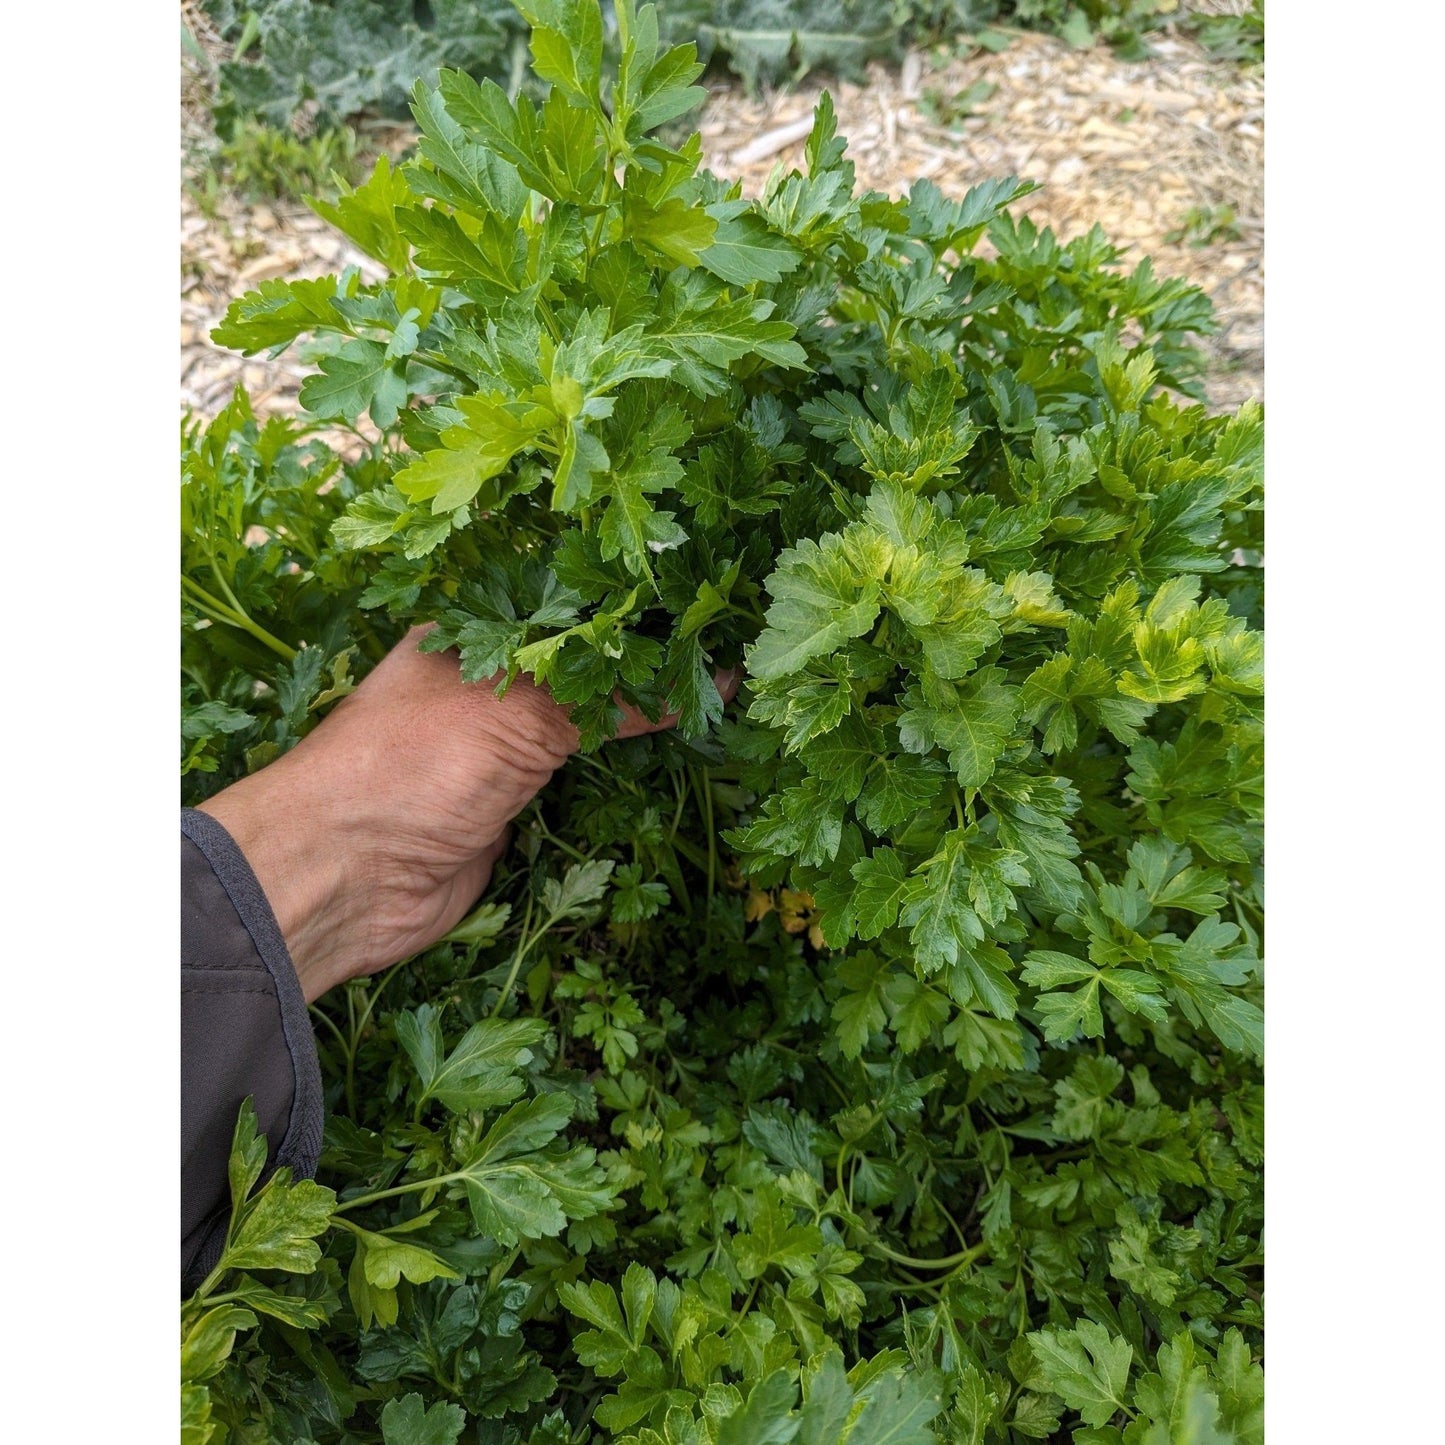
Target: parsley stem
[(218, 611), (221, 1299), (748, 614), (556, 842), (953, 1222), (950, 1261), (679, 784), (358, 1027), (711, 833), (231, 598), (524, 946), (437, 362), (499, 1270), (318, 1013), (548, 320), (415, 1187), (747, 1305)]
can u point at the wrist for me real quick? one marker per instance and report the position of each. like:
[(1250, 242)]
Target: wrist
[(298, 842)]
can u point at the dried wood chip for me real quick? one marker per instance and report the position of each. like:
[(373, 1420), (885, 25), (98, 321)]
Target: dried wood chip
[(772, 142), (266, 266)]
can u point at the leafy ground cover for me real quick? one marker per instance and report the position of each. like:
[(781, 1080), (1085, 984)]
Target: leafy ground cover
[(327, 60), (876, 1059)]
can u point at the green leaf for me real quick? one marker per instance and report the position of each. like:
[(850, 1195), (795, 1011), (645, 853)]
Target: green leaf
[(860, 1011), (630, 526), (474, 177), (951, 901), (898, 1412), (744, 250), (1166, 876), (567, 46), (390, 1260), (484, 924), (407, 1420), (206, 1346), (372, 519), (883, 888), (471, 454), (489, 261), (1240, 1386), (277, 1229), (582, 884), (898, 787), (1237, 661), (1084, 1096), (690, 687), (1178, 1403), (706, 334), (360, 377), (1066, 1014), (818, 604), (247, 1158), (519, 1192), (614, 1343), (634, 900), (197, 1427), (962, 623), (915, 1011), (1086, 1367), (1035, 1418), (972, 722), (277, 312), (827, 1395), (677, 231), (301, 1311), (367, 215), (766, 1417), (482, 1071)]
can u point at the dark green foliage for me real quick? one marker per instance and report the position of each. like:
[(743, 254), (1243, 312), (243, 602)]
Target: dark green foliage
[(1233, 37), (338, 57), (877, 1059)]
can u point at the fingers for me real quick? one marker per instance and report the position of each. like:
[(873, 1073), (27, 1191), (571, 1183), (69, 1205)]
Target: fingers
[(635, 723), (417, 670)]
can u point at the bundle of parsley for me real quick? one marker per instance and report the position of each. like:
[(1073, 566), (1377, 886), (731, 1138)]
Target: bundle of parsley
[(876, 1059)]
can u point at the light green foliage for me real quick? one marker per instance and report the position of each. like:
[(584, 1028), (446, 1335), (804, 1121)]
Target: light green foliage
[(876, 1060), (1203, 226), (262, 160)]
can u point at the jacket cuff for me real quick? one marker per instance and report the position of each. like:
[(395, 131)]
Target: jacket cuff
[(300, 1144)]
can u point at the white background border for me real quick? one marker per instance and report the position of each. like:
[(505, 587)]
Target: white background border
[(1355, 999)]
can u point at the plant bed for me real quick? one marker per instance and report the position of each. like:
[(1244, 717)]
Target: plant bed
[(875, 1058)]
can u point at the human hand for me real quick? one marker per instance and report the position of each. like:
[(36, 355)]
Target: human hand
[(378, 831)]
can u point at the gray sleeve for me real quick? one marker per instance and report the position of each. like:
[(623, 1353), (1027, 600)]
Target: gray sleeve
[(244, 1031)]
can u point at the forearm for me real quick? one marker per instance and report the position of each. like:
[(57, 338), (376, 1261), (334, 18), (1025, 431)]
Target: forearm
[(287, 821)]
